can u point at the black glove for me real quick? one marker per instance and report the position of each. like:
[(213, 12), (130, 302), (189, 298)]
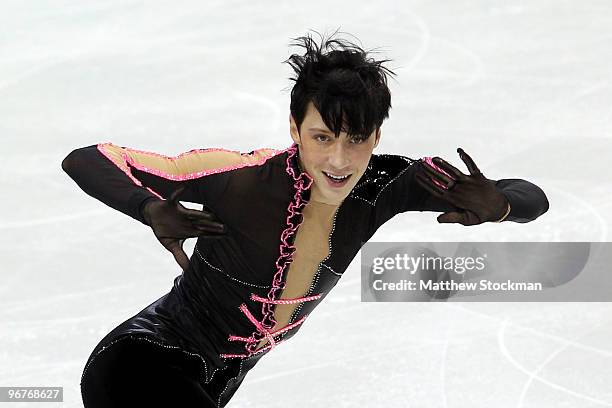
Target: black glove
[(172, 224), (476, 197)]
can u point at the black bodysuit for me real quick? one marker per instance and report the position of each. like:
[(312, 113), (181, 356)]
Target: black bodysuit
[(235, 302)]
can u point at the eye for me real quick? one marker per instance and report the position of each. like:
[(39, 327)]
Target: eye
[(357, 141), (317, 137)]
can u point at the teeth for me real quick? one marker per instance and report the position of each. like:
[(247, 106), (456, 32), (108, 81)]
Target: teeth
[(336, 177)]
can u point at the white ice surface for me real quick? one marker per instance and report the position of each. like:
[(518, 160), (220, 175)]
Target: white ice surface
[(522, 86)]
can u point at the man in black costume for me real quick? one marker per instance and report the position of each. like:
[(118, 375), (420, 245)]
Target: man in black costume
[(276, 232)]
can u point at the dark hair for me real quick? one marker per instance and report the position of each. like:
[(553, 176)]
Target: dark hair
[(348, 88)]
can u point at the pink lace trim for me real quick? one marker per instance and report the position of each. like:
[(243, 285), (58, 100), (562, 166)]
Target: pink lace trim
[(429, 161), (101, 148), (261, 329), (179, 177), (302, 182), (284, 301)]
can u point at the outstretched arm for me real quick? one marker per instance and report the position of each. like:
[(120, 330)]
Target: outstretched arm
[(472, 199), (125, 178)]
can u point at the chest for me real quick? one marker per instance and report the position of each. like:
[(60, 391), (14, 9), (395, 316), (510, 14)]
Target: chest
[(311, 248)]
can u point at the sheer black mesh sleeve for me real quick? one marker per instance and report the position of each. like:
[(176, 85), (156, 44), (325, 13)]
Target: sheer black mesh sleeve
[(527, 200)]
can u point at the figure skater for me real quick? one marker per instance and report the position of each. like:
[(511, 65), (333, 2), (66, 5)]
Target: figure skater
[(277, 229)]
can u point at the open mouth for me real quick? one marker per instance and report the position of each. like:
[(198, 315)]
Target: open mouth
[(337, 180)]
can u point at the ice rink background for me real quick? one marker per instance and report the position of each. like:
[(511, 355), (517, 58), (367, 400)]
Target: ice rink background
[(524, 87)]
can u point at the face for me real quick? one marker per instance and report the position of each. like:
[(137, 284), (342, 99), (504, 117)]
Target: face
[(322, 156)]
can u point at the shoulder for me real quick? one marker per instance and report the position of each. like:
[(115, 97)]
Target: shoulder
[(220, 159), (382, 172)]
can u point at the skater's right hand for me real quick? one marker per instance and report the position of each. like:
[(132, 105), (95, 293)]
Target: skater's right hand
[(172, 224)]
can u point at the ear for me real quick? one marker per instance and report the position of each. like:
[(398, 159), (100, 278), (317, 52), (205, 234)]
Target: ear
[(294, 130), (378, 133)]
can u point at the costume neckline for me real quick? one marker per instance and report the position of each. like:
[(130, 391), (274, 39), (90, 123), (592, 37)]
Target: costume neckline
[(321, 202)]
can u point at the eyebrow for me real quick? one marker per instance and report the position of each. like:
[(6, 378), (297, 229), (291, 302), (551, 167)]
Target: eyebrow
[(320, 130)]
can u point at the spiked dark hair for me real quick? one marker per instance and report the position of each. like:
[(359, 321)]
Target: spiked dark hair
[(348, 88)]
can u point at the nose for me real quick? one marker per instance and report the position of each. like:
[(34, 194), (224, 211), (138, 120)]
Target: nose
[(339, 157)]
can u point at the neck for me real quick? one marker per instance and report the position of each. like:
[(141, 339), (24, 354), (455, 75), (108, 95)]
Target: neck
[(317, 197)]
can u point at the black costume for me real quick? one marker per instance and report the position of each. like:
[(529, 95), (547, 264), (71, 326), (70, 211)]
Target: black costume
[(217, 311)]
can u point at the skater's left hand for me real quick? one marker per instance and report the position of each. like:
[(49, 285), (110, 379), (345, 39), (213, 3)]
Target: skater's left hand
[(476, 196)]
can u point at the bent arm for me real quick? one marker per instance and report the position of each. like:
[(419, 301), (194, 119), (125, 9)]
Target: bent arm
[(527, 200), (125, 178)]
